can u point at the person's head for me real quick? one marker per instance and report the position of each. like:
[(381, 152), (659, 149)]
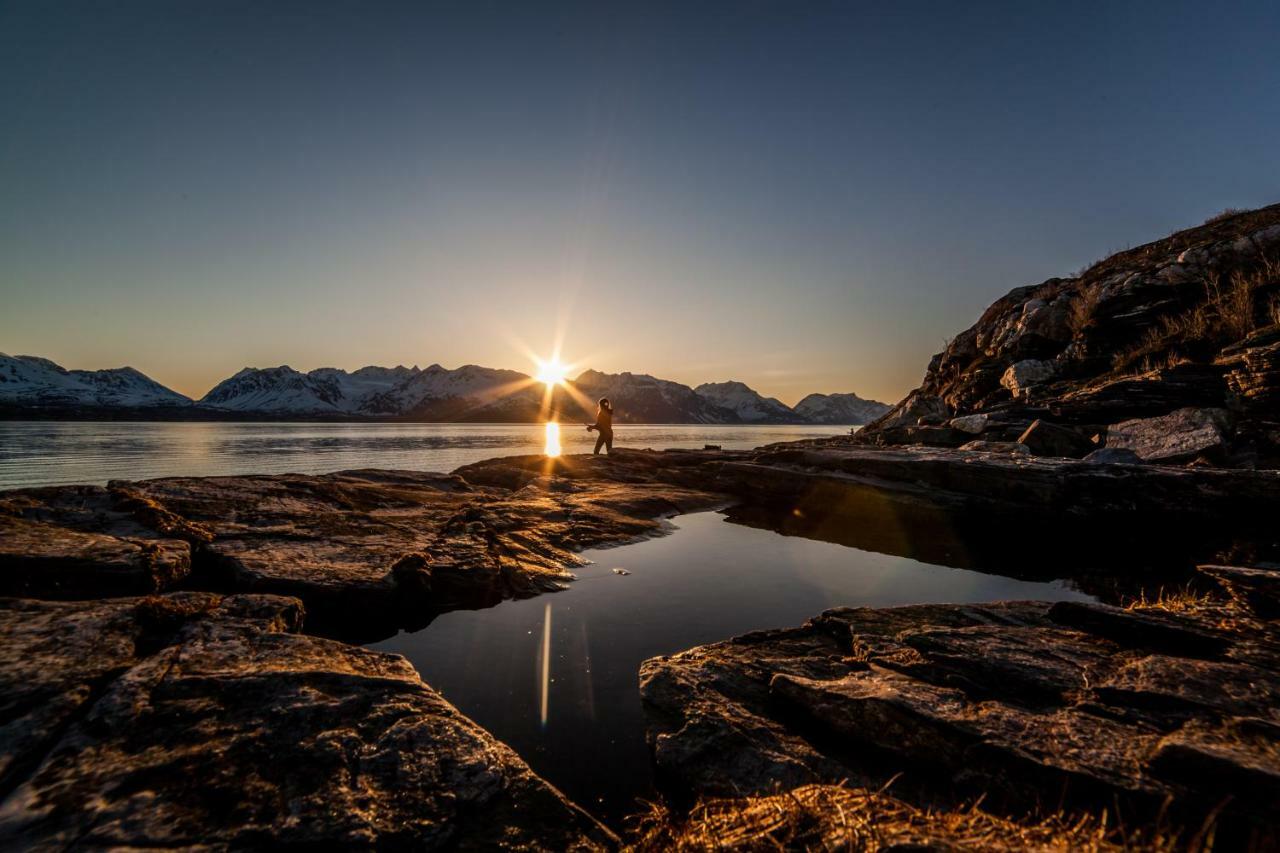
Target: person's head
[(605, 405)]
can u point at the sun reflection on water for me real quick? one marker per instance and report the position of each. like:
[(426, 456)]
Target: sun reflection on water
[(552, 447)]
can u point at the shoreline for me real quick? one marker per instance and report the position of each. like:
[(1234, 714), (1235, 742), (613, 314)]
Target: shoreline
[(363, 552)]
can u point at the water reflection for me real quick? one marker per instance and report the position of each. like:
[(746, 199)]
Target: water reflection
[(563, 691), (41, 453), (551, 447)]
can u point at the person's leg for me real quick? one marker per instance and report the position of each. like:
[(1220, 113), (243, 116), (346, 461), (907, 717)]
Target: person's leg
[(599, 442), (608, 442)]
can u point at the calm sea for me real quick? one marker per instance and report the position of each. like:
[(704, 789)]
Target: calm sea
[(43, 453)]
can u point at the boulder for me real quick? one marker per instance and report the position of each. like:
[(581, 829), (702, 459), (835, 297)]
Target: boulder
[(1022, 376), (1176, 437), (1047, 439), (972, 424), (170, 721)]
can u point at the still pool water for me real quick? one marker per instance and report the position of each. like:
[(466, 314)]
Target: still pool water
[(45, 453), (575, 715)]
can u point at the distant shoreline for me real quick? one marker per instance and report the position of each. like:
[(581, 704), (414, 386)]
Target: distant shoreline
[(165, 414)]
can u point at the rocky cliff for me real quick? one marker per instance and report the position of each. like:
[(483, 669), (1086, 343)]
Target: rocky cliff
[(1186, 329)]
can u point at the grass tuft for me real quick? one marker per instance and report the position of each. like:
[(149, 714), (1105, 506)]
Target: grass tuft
[(835, 817)]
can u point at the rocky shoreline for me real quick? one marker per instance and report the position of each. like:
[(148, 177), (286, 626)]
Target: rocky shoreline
[(177, 669), (192, 628)]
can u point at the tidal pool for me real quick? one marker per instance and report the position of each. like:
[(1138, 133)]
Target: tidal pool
[(556, 677)]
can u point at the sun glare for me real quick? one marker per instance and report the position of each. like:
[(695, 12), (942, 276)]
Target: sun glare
[(551, 372), (552, 447)]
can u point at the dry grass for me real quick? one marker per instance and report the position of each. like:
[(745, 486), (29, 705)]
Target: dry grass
[(1083, 306), (1231, 309), (1227, 213), (1184, 600), (833, 817)]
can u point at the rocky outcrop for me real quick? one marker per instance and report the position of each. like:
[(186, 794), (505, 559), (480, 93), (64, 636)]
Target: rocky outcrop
[(191, 719), (1031, 705), (1189, 321), (368, 551)]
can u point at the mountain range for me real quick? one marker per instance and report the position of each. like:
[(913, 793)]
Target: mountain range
[(32, 385)]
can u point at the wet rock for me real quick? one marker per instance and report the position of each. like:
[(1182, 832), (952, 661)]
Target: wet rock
[(1255, 589), (1047, 439), (228, 729), (1177, 437), (42, 559)]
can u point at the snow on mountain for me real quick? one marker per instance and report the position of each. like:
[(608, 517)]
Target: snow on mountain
[(464, 393), (326, 390), (640, 398), (26, 380), (746, 403), (841, 409)]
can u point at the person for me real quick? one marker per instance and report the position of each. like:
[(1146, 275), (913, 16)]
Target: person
[(603, 425)]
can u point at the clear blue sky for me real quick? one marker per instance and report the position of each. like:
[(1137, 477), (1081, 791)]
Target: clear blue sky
[(803, 196)]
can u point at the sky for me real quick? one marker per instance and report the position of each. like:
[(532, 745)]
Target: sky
[(801, 196)]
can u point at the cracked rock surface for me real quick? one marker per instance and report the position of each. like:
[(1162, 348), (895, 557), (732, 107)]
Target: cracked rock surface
[(194, 719)]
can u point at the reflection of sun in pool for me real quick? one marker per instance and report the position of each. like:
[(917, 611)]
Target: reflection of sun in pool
[(551, 372), (552, 447)]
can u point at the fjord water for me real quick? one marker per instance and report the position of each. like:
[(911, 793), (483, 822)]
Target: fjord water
[(46, 453), (575, 714)]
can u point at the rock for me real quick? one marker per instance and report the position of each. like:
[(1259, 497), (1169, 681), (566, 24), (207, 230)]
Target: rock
[(1178, 436), (368, 551), (1011, 701), (1108, 345), (228, 729), (997, 447), (1254, 589), (1022, 376), (622, 572), (58, 562), (972, 424), (911, 410), (1159, 632), (1113, 456), (1046, 439)]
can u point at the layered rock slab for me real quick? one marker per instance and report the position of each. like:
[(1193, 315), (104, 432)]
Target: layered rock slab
[(1030, 705), (203, 720), (368, 551)]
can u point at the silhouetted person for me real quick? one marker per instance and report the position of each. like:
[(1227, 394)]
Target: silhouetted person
[(604, 425)]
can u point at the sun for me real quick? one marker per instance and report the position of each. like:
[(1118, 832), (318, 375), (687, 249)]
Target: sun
[(551, 372)]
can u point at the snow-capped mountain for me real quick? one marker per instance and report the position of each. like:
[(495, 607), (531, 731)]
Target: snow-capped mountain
[(840, 409), (640, 398), (26, 380), (326, 390), (749, 406), (436, 394), (469, 392)]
